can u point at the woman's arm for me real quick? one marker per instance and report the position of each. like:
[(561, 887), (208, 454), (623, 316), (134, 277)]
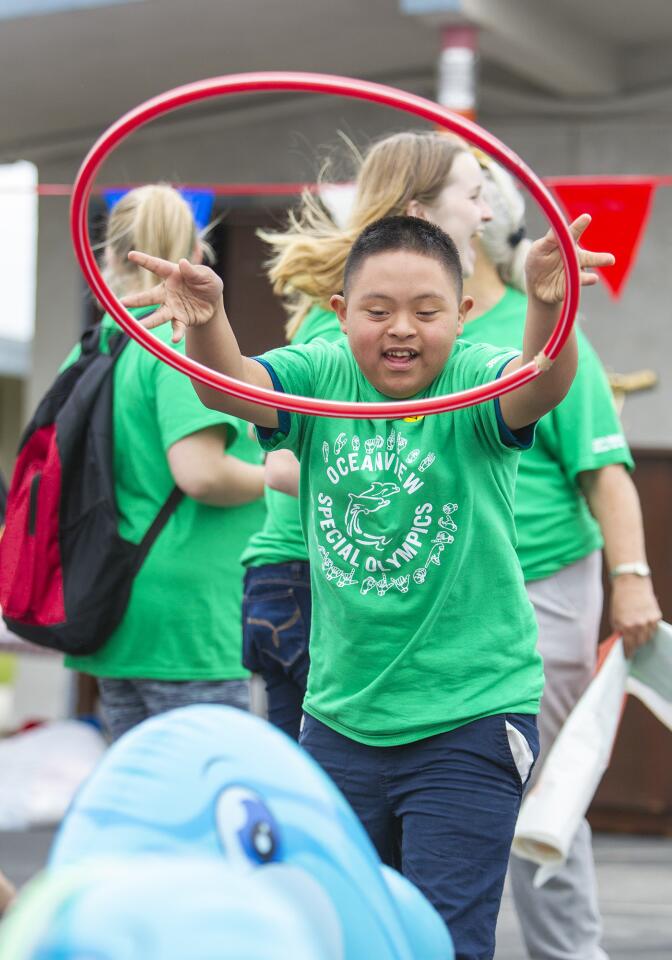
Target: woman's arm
[(614, 502), (546, 290), (282, 471), (204, 471)]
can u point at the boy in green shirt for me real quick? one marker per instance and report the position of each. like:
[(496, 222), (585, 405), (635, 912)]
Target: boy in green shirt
[(424, 677)]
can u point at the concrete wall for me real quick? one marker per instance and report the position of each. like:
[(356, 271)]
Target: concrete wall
[(283, 141), (59, 298), (11, 404), (633, 332)]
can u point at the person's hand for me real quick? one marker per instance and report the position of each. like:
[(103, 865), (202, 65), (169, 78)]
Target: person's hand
[(188, 295), (544, 270), (634, 610)]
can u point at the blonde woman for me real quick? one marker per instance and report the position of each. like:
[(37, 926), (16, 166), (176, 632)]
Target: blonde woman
[(429, 175), (574, 496), (179, 640)]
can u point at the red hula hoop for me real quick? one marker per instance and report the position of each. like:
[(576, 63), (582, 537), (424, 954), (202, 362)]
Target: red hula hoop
[(347, 87)]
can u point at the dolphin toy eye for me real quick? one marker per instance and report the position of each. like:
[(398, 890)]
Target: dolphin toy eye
[(247, 829)]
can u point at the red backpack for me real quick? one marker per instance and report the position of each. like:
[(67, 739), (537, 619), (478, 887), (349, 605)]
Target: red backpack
[(65, 573)]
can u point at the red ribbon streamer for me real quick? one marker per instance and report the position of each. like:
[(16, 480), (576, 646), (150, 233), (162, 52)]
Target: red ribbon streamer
[(619, 205)]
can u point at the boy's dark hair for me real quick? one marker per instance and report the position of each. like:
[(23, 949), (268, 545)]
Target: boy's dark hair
[(404, 233)]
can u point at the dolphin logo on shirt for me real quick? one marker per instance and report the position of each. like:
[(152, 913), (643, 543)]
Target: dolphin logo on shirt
[(374, 498)]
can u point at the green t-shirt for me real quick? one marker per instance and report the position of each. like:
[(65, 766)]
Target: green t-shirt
[(555, 526), (280, 540), (183, 621), (421, 621)]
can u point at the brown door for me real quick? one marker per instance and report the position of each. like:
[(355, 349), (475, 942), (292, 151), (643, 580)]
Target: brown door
[(256, 314), (636, 792)]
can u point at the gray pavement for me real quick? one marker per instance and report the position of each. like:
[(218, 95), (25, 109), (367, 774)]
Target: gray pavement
[(22, 853), (634, 875), (635, 886)]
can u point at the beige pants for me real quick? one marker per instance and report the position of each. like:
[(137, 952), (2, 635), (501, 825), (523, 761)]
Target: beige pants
[(561, 921)]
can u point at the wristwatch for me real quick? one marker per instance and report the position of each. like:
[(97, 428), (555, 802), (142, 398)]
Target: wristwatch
[(638, 568)]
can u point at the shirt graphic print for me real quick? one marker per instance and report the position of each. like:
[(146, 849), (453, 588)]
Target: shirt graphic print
[(353, 542)]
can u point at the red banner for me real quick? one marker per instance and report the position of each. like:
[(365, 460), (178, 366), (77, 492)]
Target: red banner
[(619, 205), (620, 209)]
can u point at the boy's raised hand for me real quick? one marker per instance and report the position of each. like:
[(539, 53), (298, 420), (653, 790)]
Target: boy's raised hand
[(188, 295), (544, 270)]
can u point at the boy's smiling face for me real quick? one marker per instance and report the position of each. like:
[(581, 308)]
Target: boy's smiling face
[(401, 315)]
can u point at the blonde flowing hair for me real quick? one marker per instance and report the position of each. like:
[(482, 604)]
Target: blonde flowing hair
[(307, 260), (155, 219)]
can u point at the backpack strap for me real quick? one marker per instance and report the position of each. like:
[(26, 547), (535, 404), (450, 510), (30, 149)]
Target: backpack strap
[(117, 342), (157, 526), (90, 340)]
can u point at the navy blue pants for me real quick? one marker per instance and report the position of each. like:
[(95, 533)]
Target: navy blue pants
[(276, 631), (442, 810)]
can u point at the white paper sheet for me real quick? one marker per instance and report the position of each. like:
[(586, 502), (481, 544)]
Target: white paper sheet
[(650, 678), (554, 807)]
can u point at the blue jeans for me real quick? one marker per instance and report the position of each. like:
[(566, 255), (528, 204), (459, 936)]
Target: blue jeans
[(442, 810), (276, 631)]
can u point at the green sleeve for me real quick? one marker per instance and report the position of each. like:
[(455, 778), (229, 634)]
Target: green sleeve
[(292, 370), (329, 330), (319, 324), (587, 432), (331, 335), (179, 412), (482, 364)]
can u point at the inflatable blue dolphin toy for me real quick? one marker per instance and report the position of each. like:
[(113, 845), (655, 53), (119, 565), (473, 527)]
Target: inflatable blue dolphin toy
[(230, 795), (168, 908)]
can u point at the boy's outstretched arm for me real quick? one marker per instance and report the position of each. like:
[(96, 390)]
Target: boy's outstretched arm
[(545, 277), (190, 298)]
